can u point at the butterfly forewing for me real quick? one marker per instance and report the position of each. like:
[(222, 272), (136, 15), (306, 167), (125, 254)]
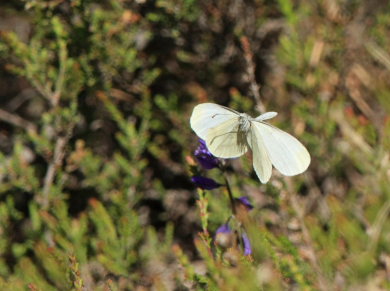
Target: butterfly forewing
[(225, 140), (209, 115), (261, 161), (286, 153)]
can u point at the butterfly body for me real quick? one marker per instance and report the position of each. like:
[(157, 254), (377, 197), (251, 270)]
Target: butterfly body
[(245, 122)]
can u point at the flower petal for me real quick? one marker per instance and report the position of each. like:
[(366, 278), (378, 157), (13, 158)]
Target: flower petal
[(205, 183), (245, 201), (204, 157), (247, 245)]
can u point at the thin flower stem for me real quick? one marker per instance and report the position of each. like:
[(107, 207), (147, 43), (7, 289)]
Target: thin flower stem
[(230, 193)]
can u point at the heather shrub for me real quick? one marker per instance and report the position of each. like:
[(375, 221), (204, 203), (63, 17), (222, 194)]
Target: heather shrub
[(103, 185)]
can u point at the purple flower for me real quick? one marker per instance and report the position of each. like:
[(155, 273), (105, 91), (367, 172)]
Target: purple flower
[(247, 244), (205, 183), (244, 200), (224, 228), (224, 237), (204, 157)]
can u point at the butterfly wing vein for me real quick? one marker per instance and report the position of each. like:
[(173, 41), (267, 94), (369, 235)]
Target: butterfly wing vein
[(226, 141)]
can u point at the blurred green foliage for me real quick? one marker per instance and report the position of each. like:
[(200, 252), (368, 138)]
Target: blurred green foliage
[(96, 146)]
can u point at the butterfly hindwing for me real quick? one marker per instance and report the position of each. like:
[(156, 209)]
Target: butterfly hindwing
[(286, 153), (261, 162)]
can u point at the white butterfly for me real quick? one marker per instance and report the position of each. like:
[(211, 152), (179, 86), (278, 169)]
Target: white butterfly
[(228, 134)]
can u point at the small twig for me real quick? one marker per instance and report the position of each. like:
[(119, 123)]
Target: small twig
[(377, 227), (59, 149), (61, 75), (56, 162), (17, 121), (44, 91), (378, 54), (349, 132), (251, 67), (230, 193)]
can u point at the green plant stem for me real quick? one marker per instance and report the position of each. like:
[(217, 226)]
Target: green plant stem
[(230, 193)]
